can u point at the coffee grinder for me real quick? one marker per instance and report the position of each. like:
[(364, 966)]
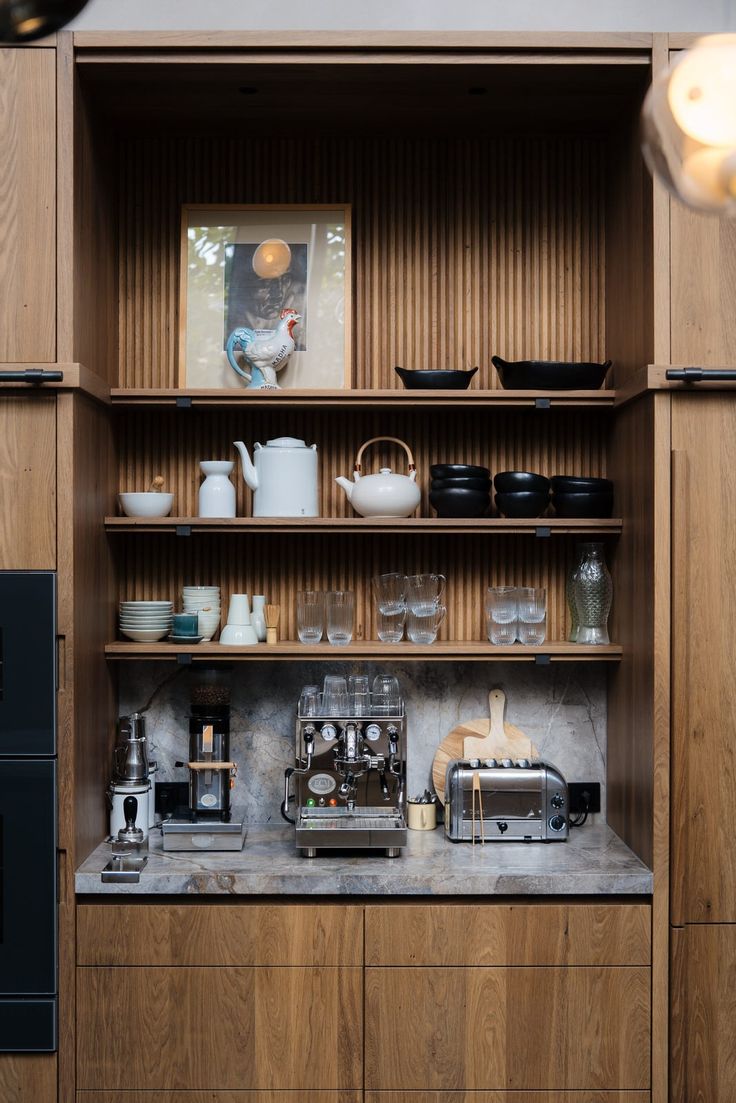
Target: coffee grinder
[(209, 823)]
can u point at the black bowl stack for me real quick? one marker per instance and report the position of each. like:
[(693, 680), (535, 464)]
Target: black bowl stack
[(521, 493), (575, 496), (460, 489)]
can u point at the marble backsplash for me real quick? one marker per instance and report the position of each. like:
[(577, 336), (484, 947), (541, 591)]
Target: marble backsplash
[(561, 707)]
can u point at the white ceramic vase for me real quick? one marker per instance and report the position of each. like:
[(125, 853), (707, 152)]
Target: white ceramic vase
[(258, 616), (217, 493)]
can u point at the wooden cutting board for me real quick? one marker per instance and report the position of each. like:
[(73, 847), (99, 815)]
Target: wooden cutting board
[(486, 737)]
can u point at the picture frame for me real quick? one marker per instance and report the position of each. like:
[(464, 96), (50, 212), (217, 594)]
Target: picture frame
[(221, 291)]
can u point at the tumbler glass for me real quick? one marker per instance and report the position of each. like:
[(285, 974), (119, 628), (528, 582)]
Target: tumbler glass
[(310, 615), (340, 613), (501, 614), (423, 627), (424, 592), (309, 701), (335, 696), (532, 605), (389, 593), (385, 696), (359, 695)]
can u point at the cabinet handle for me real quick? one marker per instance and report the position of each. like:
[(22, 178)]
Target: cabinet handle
[(701, 375), (31, 375)]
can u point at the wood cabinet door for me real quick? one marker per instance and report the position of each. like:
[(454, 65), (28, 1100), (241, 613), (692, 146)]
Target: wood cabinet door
[(28, 205), (494, 1097), (211, 1027), (703, 274), (28, 1077), (703, 684), (519, 1029), (27, 481), (703, 1000)]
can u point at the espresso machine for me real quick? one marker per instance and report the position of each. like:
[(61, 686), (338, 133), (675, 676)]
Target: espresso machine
[(209, 823), (349, 777)]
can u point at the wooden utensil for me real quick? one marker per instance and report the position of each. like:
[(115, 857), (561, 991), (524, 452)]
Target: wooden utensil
[(157, 485), (272, 614), (498, 739)]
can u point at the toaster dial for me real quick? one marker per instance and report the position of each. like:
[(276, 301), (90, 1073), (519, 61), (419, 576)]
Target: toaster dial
[(557, 822), (557, 800)]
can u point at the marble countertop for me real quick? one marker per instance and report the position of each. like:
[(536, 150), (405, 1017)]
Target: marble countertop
[(594, 861)]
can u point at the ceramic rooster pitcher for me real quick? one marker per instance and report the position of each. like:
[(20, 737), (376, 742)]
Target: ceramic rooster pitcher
[(265, 351)]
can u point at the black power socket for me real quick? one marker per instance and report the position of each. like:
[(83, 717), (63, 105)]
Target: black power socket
[(584, 795)]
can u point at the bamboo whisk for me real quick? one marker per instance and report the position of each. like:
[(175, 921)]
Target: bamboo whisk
[(272, 614)]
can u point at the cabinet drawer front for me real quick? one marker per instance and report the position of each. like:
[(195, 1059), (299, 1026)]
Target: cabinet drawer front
[(494, 1097), (295, 1096), (519, 1029), (196, 1028), (219, 934), (508, 934)]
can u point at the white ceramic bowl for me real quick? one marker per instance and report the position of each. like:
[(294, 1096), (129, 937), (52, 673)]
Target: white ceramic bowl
[(144, 605), (148, 504), (145, 635), (239, 635), (146, 622)]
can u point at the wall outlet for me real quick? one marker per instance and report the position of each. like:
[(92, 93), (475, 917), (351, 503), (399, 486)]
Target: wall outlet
[(577, 790)]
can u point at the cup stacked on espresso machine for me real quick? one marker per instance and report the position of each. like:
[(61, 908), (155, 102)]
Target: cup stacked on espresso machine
[(131, 774)]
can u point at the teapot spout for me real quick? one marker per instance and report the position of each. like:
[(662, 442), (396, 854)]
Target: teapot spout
[(346, 485), (249, 472)]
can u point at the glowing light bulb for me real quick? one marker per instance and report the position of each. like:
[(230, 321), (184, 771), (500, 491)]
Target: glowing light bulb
[(702, 91), (272, 258)]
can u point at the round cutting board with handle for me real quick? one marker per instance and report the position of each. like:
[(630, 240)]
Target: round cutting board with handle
[(482, 738)]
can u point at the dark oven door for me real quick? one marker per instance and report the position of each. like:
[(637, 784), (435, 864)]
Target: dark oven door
[(28, 921), (27, 663)]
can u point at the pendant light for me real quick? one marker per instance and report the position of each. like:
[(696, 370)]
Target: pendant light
[(272, 258), (689, 125), (24, 20)]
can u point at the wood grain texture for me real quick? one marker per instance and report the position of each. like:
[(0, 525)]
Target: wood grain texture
[(371, 650), (365, 398), (704, 1011), (703, 695), (703, 288), (28, 1077), (364, 39), (28, 482), (254, 1097), (492, 1097), (27, 205), (267, 1028), (507, 1028), (508, 934), (463, 248), (227, 934)]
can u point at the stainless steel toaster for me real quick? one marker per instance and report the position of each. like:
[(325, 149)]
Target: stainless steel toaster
[(510, 801)]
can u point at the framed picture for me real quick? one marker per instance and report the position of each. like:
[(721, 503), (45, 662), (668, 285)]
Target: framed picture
[(265, 286)]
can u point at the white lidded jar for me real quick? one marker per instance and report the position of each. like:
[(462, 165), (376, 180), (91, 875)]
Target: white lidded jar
[(217, 493)]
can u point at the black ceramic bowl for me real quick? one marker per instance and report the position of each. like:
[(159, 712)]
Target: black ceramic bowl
[(462, 484), (458, 502), (583, 505), (507, 482), (549, 375), (577, 484), (458, 471), (424, 379), (522, 503)]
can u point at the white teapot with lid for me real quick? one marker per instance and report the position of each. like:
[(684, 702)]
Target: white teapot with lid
[(386, 494), (283, 477)]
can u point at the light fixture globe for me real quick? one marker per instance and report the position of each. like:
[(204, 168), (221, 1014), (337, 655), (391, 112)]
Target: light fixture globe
[(272, 258), (689, 125), (24, 20)]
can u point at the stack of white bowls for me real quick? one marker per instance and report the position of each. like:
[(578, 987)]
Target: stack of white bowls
[(146, 621), (205, 602)]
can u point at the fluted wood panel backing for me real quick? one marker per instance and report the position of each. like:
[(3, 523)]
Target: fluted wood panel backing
[(172, 443), (462, 248)]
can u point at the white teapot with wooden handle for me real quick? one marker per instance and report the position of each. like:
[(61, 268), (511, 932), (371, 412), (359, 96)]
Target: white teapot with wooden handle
[(385, 494)]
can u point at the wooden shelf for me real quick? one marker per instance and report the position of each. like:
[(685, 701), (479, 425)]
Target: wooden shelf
[(467, 650), (360, 399), (544, 526)]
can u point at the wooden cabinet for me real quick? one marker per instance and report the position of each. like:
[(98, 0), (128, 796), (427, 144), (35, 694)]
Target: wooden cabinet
[(28, 206), (497, 1097), (27, 481), (28, 1077), (262, 1097), (703, 272)]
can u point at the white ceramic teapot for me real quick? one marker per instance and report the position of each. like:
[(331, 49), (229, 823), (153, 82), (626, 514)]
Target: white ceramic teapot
[(283, 476), (385, 494)]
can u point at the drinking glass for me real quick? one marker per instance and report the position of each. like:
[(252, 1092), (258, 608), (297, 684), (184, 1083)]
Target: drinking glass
[(424, 592), (423, 627), (334, 696), (310, 615), (390, 626), (389, 593), (385, 696), (359, 694), (532, 604), (309, 701), (502, 614), (340, 609)]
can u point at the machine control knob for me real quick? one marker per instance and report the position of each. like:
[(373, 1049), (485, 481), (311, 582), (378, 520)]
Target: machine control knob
[(506, 762), (557, 801), (557, 822), (491, 763), (328, 732), (502, 826), (373, 732), (524, 764)]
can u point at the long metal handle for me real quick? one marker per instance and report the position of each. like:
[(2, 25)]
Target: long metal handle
[(32, 375), (701, 375)]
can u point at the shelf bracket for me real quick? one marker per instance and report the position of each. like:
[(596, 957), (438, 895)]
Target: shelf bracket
[(543, 531), (542, 403), (542, 660), (184, 659), (183, 402), (183, 530)]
